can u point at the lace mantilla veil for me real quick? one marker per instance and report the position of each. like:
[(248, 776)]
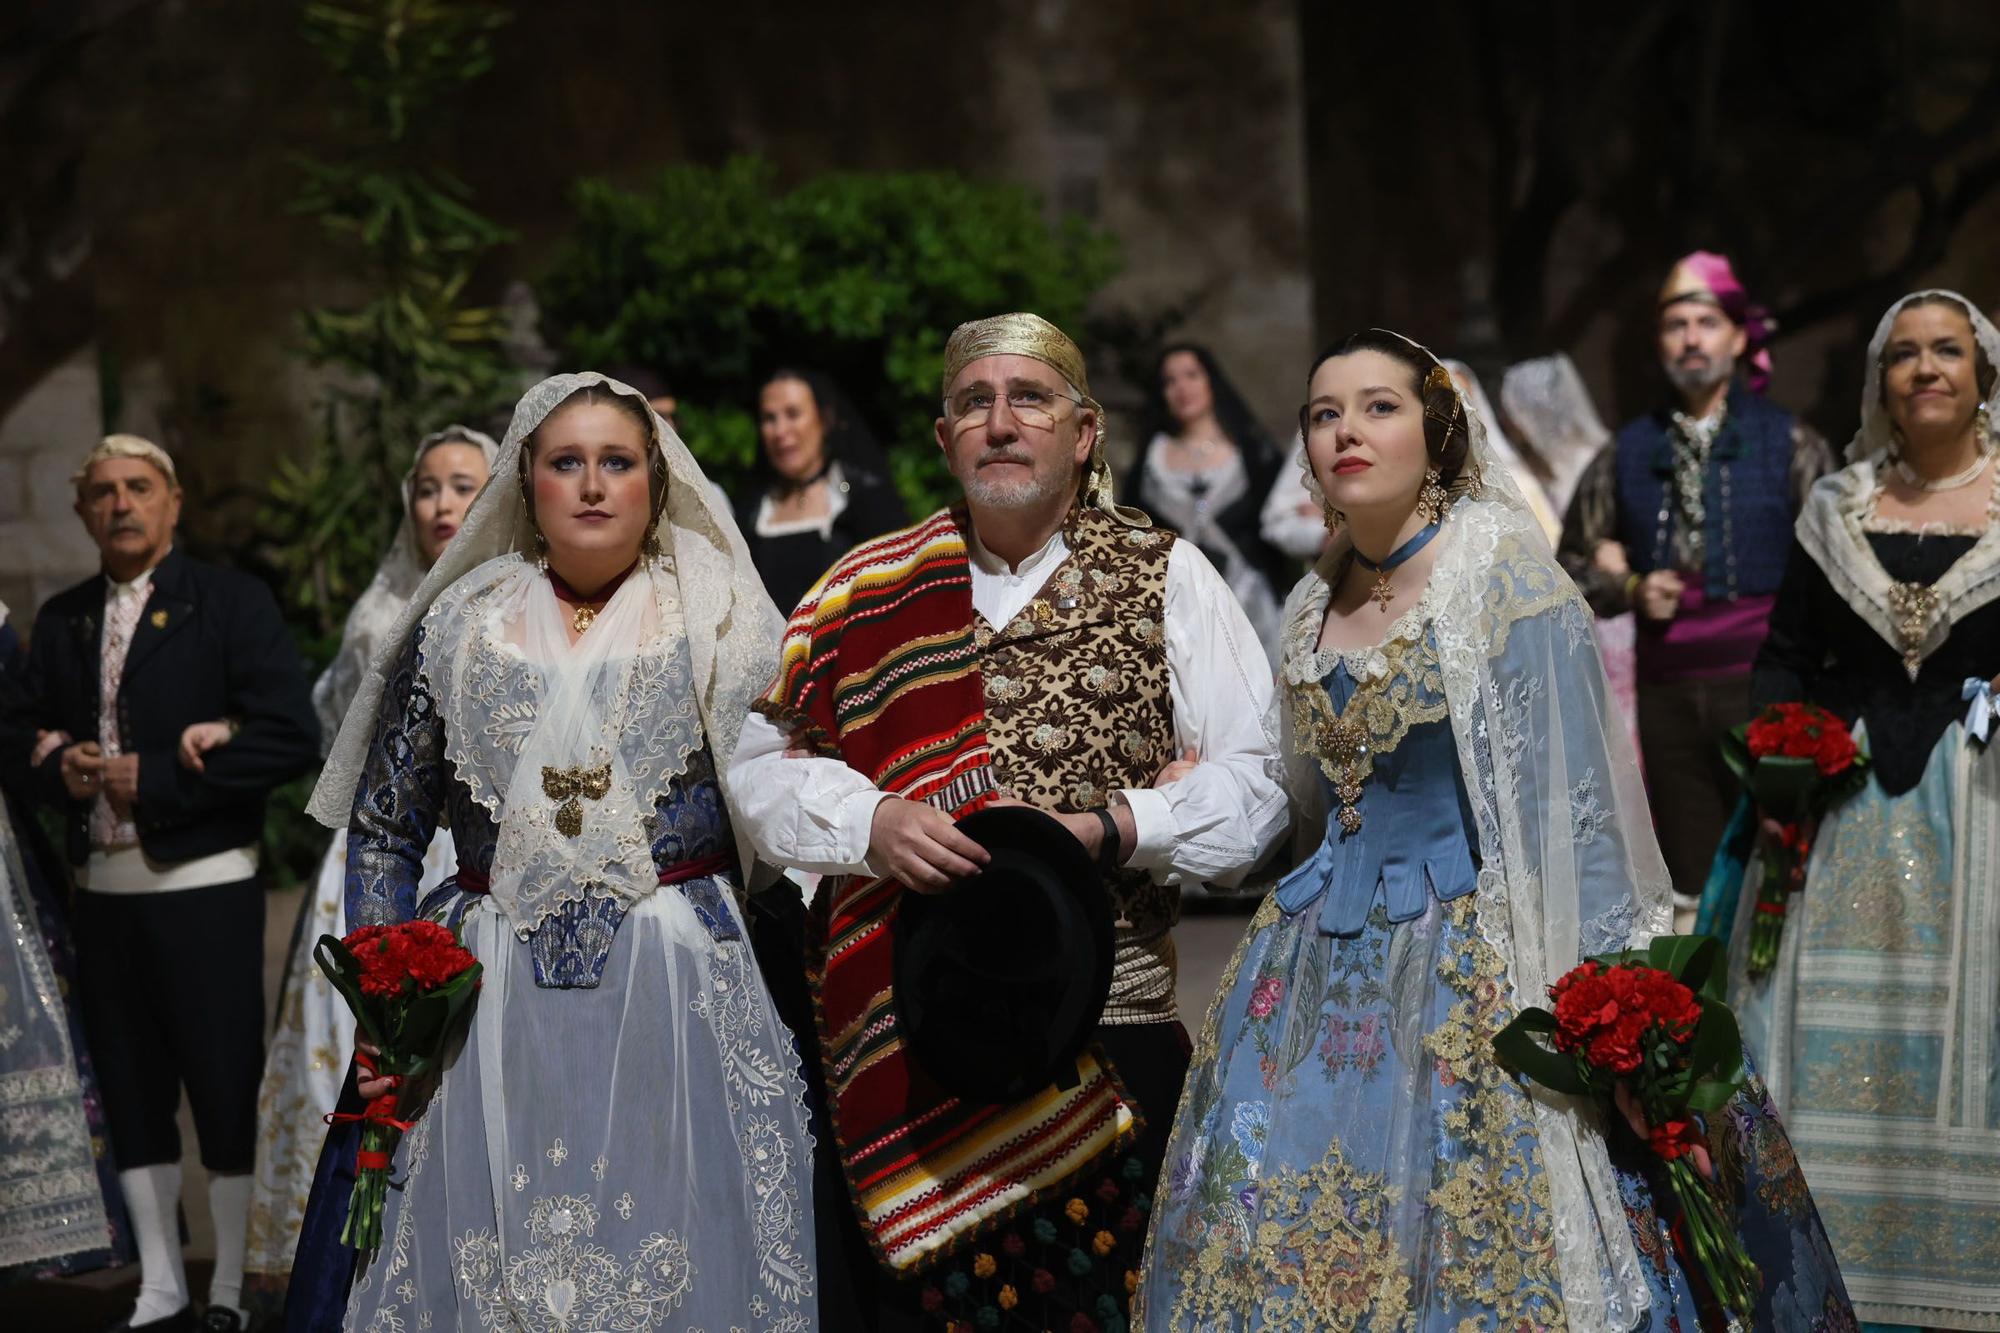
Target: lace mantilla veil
[(1569, 865), (1546, 399), (673, 659), (1830, 527), (396, 579)]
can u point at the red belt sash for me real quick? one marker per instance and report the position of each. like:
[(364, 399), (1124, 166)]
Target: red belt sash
[(477, 881)]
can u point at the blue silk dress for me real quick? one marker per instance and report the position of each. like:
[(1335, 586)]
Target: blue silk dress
[(1349, 1155)]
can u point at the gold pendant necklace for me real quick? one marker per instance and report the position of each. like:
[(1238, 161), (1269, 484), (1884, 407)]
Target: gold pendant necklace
[(1384, 592), (583, 618)]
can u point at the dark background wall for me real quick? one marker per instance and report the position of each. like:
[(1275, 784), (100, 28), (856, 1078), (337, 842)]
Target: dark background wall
[(1500, 179), (1515, 178), (150, 271)]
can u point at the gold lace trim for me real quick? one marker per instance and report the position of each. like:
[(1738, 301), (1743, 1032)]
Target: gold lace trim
[(1405, 689)]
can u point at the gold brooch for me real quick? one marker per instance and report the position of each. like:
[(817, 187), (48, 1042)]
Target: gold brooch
[(570, 786), (159, 619), (1342, 741), (1913, 605), (1347, 745)]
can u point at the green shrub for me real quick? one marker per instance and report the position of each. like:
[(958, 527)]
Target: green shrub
[(714, 276), (409, 354)]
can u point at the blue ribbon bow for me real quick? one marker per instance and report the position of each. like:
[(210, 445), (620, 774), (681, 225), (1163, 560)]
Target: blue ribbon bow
[(1979, 718)]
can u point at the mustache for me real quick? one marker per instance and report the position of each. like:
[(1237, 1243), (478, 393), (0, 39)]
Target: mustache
[(119, 525), (1006, 456)]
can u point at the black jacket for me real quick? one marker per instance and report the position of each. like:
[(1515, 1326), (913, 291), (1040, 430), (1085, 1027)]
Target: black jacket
[(211, 644), (791, 565)]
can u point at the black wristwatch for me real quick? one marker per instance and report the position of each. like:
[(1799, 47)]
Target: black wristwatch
[(1107, 850)]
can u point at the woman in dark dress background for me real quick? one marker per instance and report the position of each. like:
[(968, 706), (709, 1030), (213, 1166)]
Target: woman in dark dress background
[(1877, 1028), (1204, 470), (821, 487)]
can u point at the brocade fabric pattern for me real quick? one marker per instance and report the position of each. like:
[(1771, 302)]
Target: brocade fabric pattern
[(1077, 707)]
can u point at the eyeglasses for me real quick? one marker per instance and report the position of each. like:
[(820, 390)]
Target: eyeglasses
[(1033, 405)]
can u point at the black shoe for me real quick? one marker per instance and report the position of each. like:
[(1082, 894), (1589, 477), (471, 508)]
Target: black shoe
[(180, 1321), (221, 1319)]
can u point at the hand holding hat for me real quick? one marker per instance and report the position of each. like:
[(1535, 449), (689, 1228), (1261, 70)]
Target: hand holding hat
[(1000, 982), (920, 847)]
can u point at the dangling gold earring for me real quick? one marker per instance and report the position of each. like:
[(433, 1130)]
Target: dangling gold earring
[(541, 551), (1431, 500)]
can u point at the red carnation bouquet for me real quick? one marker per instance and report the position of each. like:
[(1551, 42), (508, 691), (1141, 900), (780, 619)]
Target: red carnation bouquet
[(408, 986), (1650, 1030), (1796, 761)]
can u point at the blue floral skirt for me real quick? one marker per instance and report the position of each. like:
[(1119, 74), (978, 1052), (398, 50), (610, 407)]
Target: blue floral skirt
[(1349, 1155)]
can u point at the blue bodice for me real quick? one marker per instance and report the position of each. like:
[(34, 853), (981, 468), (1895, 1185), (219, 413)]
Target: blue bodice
[(408, 789), (1416, 839)]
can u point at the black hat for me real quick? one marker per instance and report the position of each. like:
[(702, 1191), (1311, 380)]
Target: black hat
[(1001, 978)]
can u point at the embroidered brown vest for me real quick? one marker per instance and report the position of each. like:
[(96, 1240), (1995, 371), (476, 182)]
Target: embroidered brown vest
[(1077, 707)]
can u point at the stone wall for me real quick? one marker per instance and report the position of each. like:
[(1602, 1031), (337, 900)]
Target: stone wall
[(161, 137)]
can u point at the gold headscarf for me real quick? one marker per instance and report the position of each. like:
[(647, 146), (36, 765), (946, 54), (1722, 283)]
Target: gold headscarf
[(1023, 334)]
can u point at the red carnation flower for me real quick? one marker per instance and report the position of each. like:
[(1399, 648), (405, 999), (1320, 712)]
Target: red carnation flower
[(1670, 1003), (1583, 1004), (1617, 1047), (1836, 752)]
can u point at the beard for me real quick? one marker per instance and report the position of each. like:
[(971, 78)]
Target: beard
[(1690, 379), (1020, 493)]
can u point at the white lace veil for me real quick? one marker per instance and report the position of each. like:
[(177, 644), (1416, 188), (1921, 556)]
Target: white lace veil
[(1502, 450), (1569, 865), (1546, 399), (696, 612), (396, 578), (1830, 526), (1873, 440)]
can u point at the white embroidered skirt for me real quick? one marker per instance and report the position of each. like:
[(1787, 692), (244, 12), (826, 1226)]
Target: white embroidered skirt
[(633, 1156)]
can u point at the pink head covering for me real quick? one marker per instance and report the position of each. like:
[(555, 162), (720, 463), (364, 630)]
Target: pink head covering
[(1707, 276)]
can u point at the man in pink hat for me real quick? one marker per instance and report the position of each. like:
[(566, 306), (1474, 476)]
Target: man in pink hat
[(1686, 518)]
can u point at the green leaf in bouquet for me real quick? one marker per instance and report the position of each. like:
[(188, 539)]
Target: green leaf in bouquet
[(1717, 1050), (1518, 1049), (1711, 1095), (431, 1016), (343, 971), (1736, 753), (1696, 961), (1783, 787)]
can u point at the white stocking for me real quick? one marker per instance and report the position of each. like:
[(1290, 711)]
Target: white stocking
[(229, 1201), (153, 1196)]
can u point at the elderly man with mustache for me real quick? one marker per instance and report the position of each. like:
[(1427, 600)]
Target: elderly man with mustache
[(170, 914), (1038, 643), (1686, 518)]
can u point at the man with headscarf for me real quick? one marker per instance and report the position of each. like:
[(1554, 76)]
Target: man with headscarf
[(170, 913), (1066, 654), (1686, 519)]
